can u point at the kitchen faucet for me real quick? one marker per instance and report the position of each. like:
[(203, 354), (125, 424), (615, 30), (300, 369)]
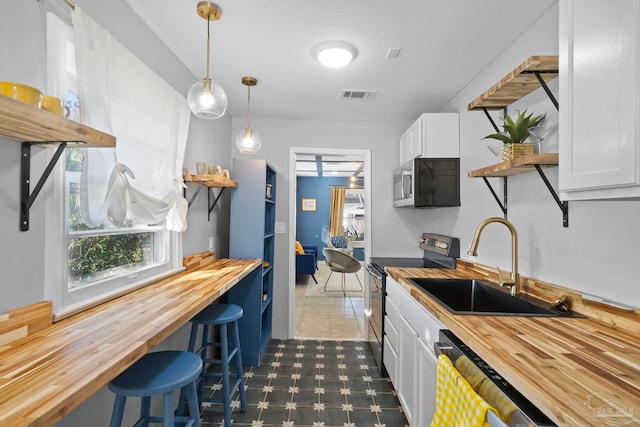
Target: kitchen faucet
[(512, 282)]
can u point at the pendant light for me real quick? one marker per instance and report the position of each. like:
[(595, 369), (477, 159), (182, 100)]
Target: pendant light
[(248, 141), (206, 98)]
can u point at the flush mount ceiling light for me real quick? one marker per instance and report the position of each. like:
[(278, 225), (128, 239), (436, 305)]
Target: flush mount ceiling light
[(248, 141), (335, 54), (206, 98)]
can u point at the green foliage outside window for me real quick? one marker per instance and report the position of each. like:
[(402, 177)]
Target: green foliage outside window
[(97, 255)]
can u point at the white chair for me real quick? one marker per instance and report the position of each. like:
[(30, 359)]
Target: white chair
[(341, 262)]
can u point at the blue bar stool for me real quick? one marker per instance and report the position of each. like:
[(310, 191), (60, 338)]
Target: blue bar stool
[(220, 315), (160, 372)]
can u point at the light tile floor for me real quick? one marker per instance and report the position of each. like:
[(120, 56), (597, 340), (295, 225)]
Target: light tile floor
[(330, 315)]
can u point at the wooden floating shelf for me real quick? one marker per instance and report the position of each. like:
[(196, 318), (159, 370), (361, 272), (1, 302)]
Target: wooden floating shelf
[(516, 166), (212, 181), (23, 122), (517, 84)]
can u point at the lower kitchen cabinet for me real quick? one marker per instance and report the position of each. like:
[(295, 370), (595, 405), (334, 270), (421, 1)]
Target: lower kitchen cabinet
[(407, 367), (410, 331), (427, 366)]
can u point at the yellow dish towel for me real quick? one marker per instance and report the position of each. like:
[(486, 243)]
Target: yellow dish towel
[(457, 405), (485, 388), (470, 371)]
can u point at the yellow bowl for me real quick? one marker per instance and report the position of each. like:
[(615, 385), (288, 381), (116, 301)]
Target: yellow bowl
[(24, 93), (52, 104)]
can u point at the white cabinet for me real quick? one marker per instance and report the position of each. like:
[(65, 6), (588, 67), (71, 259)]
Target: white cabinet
[(600, 99), (410, 331), (390, 339), (408, 338), (431, 135), (427, 366)]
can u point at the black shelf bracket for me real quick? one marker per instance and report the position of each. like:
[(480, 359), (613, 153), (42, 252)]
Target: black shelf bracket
[(215, 201), (486, 113), (193, 197), (210, 205), (546, 89), (563, 205), (501, 203), (26, 197)]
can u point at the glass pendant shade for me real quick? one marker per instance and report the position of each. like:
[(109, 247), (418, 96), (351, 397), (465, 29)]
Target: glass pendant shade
[(207, 99), (248, 141)]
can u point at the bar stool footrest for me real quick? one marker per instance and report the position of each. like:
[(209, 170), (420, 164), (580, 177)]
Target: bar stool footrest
[(187, 421)]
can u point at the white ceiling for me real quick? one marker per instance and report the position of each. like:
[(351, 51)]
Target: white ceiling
[(445, 43)]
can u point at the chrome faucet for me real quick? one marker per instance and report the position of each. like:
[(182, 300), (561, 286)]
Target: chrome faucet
[(512, 282)]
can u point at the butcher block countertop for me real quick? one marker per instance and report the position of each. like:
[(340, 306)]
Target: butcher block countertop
[(45, 375), (578, 371)]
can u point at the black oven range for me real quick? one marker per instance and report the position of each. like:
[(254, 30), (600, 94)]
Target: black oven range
[(439, 252)]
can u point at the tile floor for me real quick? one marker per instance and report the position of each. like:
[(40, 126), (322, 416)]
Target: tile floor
[(313, 383), (329, 315)]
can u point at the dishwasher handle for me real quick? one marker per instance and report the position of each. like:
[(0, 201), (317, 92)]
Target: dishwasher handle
[(442, 348)]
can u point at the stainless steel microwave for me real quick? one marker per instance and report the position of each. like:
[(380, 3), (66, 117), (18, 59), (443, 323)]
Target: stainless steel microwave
[(427, 183)]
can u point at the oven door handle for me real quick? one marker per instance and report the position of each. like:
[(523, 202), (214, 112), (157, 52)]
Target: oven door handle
[(371, 270)]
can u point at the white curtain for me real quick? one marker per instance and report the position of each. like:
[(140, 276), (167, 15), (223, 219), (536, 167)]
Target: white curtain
[(141, 179)]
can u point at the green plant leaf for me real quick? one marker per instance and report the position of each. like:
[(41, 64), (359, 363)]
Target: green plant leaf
[(517, 131), (499, 136)]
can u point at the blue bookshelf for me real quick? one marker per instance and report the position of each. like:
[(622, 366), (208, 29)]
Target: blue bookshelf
[(252, 235)]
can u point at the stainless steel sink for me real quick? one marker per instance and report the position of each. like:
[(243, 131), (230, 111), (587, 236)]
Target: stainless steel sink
[(468, 296)]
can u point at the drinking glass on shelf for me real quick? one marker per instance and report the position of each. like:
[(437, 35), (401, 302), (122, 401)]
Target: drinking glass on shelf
[(539, 133), (202, 168), (496, 148)]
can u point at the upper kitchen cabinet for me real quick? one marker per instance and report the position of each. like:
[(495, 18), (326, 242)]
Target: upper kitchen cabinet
[(432, 135), (600, 98)]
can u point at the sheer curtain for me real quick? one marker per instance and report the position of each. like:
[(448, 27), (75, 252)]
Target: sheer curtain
[(141, 179), (336, 208)]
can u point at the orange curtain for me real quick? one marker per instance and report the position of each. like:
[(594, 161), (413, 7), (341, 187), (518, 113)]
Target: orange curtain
[(335, 211)]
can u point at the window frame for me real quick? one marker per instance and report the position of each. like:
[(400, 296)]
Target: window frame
[(67, 301)]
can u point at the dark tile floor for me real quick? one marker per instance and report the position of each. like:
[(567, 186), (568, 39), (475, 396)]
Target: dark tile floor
[(316, 384)]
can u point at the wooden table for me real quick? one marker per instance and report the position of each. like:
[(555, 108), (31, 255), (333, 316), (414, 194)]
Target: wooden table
[(578, 371), (46, 375)]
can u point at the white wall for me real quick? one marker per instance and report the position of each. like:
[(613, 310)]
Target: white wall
[(390, 232), (21, 253), (596, 254)]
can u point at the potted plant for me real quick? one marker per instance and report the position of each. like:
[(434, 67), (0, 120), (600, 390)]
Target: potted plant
[(515, 134)]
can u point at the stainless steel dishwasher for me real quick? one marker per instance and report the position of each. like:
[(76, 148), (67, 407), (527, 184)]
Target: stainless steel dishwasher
[(526, 414)]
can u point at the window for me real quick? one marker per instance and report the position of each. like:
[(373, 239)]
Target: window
[(86, 265), (353, 214)]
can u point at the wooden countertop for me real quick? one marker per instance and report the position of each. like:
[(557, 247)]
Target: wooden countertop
[(578, 371), (46, 375)]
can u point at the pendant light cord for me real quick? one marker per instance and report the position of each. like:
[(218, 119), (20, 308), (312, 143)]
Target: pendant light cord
[(208, 43), (249, 107)]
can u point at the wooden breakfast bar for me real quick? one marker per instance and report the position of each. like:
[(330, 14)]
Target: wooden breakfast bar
[(47, 374)]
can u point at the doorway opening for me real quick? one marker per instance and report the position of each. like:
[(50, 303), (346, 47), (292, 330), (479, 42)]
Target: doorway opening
[(313, 171)]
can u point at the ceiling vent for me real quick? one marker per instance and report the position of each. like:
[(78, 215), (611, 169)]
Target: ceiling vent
[(359, 94)]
